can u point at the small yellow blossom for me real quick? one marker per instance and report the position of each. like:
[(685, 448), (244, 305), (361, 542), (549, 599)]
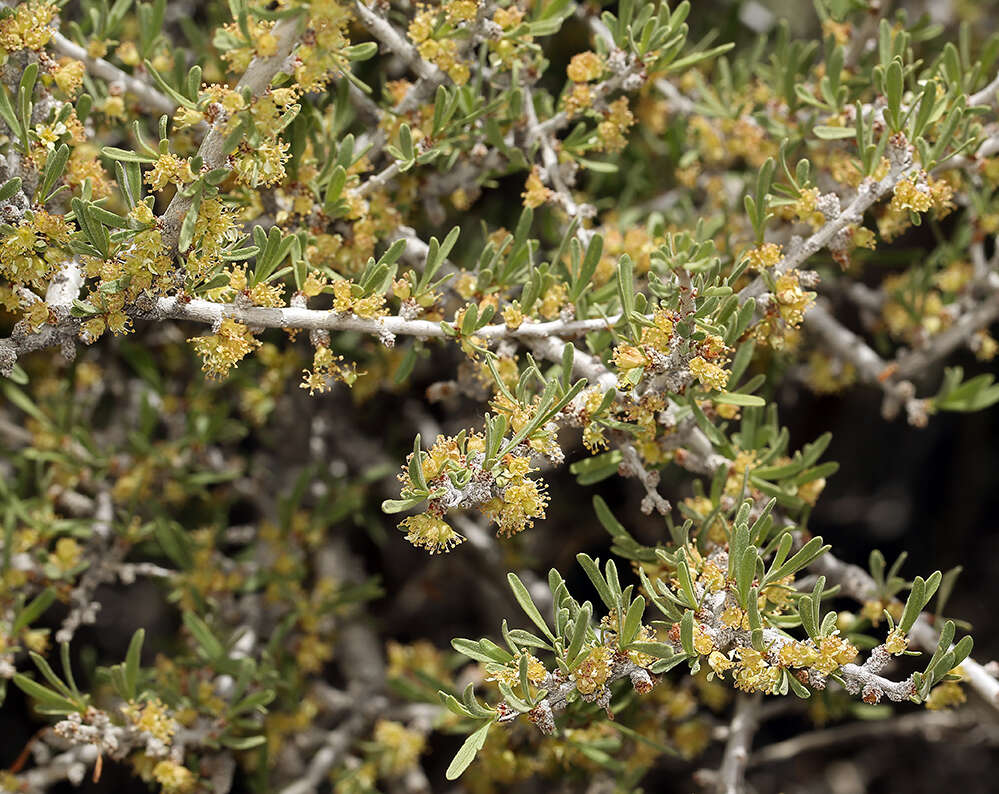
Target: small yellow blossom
[(593, 672), (431, 533), (174, 777), (585, 66), (764, 256), (535, 193), (710, 375), (224, 349)]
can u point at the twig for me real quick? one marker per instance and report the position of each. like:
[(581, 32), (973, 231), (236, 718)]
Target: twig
[(860, 585), (208, 312), (732, 774), (920, 723), (983, 315), (256, 79), (145, 93), (868, 194), (381, 29)]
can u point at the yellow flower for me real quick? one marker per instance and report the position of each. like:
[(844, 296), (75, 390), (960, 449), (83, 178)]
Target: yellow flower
[(710, 375), (593, 672), (535, 193), (896, 642), (67, 554), (224, 349), (720, 663), (431, 533), (402, 747), (153, 718), (911, 195), (792, 299), (585, 66), (174, 777), (764, 256)]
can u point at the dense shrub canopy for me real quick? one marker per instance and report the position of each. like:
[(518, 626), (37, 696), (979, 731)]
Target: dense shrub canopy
[(298, 296)]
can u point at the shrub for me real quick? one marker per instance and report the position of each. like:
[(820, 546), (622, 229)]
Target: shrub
[(247, 252)]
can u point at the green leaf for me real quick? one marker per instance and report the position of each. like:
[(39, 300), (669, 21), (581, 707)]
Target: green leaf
[(47, 700), (660, 650), (454, 705), (579, 631), (737, 398), (132, 661), (10, 187), (527, 604), (392, 506), (797, 687), (827, 133), (480, 652), (243, 742), (33, 611), (212, 648), (361, 52), (632, 622), (592, 569), (126, 156), (466, 754), (806, 554)]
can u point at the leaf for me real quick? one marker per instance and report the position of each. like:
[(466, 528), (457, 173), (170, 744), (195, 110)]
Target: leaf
[(660, 650), (33, 611), (416, 467), (806, 554), (920, 594), (479, 652), (527, 604), (126, 156), (49, 701), (213, 649), (132, 661), (579, 631), (466, 754), (592, 570), (392, 506), (827, 133), (737, 398), (454, 705), (632, 622), (10, 187)]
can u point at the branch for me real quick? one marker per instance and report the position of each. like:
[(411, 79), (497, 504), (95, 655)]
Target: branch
[(926, 723), (955, 335), (256, 79), (553, 171), (871, 368), (203, 311), (987, 96), (860, 585), (381, 29), (731, 776), (145, 93), (868, 194)]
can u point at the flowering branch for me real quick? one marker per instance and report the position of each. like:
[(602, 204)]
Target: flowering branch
[(255, 80)]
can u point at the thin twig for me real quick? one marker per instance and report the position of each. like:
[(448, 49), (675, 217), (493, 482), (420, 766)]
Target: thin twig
[(148, 96), (732, 774)]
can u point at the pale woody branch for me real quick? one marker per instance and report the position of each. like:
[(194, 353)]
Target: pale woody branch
[(148, 96), (868, 194), (203, 311), (731, 776), (859, 585), (928, 724), (256, 79), (381, 29)]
